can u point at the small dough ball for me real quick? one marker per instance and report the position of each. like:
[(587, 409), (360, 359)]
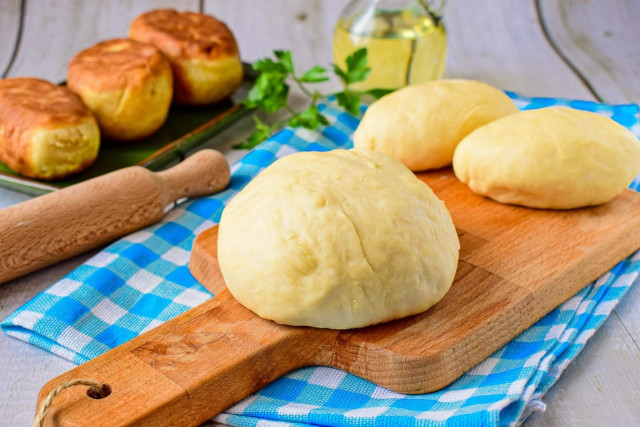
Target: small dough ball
[(128, 85), (46, 132), (339, 240), (551, 158), (421, 125), (202, 50)]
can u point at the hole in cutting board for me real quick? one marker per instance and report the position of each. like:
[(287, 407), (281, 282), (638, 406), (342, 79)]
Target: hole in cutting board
[(94, 393)]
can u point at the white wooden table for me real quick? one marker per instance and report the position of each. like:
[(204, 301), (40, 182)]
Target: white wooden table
[(569, 48)]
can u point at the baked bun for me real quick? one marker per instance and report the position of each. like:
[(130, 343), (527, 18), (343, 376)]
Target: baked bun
[(46, 132), (202, 51), (127, 84)]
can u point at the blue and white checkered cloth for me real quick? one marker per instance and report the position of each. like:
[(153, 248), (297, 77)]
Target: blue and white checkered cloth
[(142, 280)]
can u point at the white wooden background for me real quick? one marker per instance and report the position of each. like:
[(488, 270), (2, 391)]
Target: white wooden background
[(586, 49)]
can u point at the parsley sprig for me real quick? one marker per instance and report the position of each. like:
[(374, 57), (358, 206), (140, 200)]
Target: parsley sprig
[(270, 92)]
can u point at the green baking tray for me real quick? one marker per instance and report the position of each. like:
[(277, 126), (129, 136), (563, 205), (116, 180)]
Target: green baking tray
[(185, 129)]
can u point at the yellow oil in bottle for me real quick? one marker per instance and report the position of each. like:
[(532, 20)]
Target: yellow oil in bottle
[(404, 47)]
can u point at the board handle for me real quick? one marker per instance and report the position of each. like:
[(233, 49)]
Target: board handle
[(188, 370)]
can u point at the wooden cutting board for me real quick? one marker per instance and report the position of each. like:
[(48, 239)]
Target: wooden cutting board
[(516, 265)]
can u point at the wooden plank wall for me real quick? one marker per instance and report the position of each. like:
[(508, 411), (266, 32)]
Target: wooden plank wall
[(9, 32)]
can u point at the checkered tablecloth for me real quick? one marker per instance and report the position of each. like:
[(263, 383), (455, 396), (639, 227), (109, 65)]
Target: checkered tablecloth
[(143, 280)]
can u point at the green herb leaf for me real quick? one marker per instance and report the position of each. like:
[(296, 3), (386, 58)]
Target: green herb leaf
[(350, 101), (378, 93), (249, 143), (269, 92), (315, 75), (285, 59), (323, 120), (268, 65), (357, 70), (310, 118), (262, 132), (340, 73)]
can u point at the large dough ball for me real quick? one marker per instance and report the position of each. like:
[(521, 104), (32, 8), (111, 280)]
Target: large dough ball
[(421, 125), (555, 158), (338, 240)]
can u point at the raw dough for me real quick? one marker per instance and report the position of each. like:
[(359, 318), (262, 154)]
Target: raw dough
[(555, 158), (337, 240), (421, 125)]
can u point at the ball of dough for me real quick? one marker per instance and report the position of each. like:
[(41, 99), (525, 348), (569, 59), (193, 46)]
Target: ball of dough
[(421, 125), (202, 50), (128, 85), (46, 132), (339, 240), (555, 158)]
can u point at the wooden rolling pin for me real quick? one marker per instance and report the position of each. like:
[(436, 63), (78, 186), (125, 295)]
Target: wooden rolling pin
[(59, 225)]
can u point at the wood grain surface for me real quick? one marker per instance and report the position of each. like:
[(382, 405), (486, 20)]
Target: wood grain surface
[(504, 31), (595, 51), (516, 265), (10, 22), (69, 26), (501, 41)]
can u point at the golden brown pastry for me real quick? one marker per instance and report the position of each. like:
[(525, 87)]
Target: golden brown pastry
[(127, 84), (46, 132), (202, 50)]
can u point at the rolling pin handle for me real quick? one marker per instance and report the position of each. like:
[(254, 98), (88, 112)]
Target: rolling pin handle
[(206, 172)]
